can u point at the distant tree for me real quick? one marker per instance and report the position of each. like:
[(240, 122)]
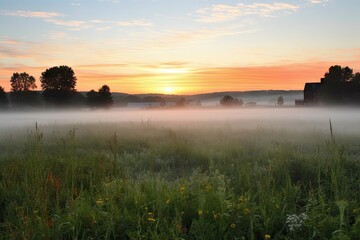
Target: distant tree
[(280, 101), (105, 97), (181, 102), (4, 102), (22, 82), (228, 101), (102, 98), (58, 84), (92, 98)]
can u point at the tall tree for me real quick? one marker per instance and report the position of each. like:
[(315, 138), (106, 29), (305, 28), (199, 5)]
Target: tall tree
[(4, 102), (58, 84), (21, 94), (22, 82)]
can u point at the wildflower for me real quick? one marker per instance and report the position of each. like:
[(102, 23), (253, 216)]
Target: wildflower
[(182, 189), (246, 211), (200, 212), (99, 201), (295, 222), (208, 187), (243, 199), (233, 225), (267, 236), (150, 219)]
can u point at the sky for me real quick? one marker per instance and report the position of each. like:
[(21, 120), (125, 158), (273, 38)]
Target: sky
[(180, 46)]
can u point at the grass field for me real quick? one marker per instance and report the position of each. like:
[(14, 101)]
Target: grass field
[(162, 181)]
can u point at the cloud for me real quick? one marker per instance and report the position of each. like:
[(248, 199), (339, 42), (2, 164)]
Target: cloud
[(221, 12), (96, 24), (31, 14), (317, 1), (176, 37), (67, 23), (139, 23)]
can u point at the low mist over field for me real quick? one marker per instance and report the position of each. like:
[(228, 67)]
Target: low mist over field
[(299, 119)]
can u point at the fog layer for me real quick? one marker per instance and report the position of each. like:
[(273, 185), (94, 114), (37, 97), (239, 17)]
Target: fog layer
[(344, 120)]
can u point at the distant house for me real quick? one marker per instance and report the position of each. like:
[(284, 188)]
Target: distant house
[(311, 93)]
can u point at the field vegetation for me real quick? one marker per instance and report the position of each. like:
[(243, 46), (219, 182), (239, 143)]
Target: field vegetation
[(166, 181)]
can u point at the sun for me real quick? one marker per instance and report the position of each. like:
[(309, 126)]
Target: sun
[(168, 90)]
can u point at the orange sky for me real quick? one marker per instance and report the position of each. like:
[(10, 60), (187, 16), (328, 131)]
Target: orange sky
[(178, 78)]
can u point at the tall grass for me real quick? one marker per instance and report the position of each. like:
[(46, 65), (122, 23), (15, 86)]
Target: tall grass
[(146, 181)]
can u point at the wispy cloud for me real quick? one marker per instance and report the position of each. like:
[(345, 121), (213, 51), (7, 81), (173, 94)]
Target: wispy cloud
[(139, 22), (317, 1), (223, 12), (31, 14), (175, 37), (67, 23), (95, 24)]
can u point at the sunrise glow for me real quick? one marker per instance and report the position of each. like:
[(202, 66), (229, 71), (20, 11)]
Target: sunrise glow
[(191, 47)]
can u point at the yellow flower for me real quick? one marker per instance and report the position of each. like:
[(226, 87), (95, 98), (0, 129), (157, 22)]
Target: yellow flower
[(99, 201), (150, 219), (200, 212), (233, 225), (267, 236), (246, 211)]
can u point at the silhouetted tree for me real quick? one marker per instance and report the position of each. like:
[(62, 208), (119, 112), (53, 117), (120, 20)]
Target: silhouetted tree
[(58, 84), (102, 98), (21, 94), (92, 98), (337, 75), (22, 82), (4, 102), (280, 101), (336, 85), (105, 97), (228, 101)]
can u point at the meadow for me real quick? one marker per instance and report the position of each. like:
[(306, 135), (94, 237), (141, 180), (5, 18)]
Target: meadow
[(166, 180)]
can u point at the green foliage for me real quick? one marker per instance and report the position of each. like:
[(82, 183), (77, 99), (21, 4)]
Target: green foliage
[(140, 181)]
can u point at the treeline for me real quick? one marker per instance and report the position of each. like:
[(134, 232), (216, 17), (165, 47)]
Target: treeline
[(57, 90)]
